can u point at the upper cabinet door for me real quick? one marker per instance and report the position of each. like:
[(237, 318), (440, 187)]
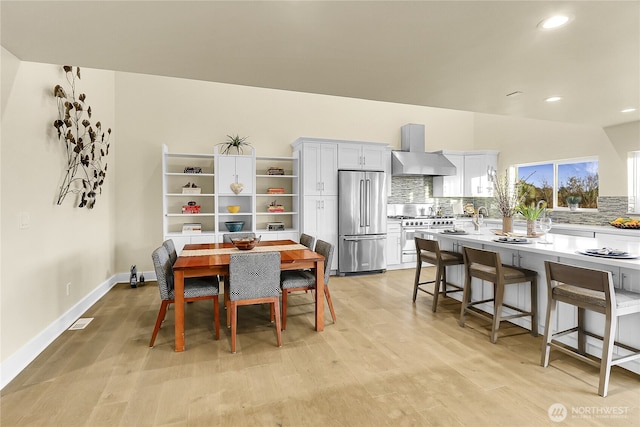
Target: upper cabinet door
[(476, 177), (320, 169), (234, 169), (451, 186), (354, 156)]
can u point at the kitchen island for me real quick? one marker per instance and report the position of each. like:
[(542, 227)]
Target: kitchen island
[(563, 249)]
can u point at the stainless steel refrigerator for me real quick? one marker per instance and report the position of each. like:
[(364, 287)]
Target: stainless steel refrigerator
[(362, 222)]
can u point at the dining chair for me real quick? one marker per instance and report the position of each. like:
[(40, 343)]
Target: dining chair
[(171, 250), (429, 251), (593, 290), (301, 280), (195, 289), (254, 278), (226, 237), (307, 240), (486, 265)]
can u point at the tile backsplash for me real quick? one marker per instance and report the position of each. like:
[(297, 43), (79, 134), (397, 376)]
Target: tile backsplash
[(418, 190)]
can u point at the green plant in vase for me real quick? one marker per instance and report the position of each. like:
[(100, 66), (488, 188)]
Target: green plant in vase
[(234, 143), (573, 202), (531, 213)]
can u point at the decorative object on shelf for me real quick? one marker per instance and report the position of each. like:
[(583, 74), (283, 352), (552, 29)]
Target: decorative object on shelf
[(246, 244), (191, 188), (234, 226), (236, 187), (233, 208), (192, 169), (573, 202), (531, 213), (191, 228), (508, 197), (275, 171), (275, 226), (234, 145), (86, 147), (275, 207), (191, 208), (275, 190), (626, 223)]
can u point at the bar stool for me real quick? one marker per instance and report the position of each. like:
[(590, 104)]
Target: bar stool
[(486, 265), (592, 290), (429, 251)]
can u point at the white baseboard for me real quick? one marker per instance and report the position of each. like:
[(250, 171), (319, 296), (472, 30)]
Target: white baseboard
[(12, 366)]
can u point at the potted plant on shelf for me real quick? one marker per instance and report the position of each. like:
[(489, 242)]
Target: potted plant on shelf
[(234, 145), (573, 202), (508, 197), (531, 213)]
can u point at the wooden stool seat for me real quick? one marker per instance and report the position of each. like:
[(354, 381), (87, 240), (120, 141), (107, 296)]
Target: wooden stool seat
[(429, 251), (486, 265)]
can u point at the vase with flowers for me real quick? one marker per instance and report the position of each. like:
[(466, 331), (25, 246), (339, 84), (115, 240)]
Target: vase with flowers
[(531, 213), (508, 197)]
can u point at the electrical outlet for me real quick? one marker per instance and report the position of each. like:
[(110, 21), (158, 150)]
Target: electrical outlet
[(68, 288)]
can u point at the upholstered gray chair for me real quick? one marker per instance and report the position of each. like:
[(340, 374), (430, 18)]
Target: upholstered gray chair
[(226, 237), (195, 289), (299, 280), (254, 278), (307, 240), (592, 290), (171, 250)]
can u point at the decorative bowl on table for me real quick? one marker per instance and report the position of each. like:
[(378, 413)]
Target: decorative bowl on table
[(245, 244), (234, 226), (233, 208)]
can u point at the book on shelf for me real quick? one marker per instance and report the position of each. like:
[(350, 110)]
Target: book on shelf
[(191, 228)]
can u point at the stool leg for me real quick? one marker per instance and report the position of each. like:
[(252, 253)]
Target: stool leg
[(466, 297), (607, 350), (498, 295), (417, 278), (582, 337), (548, 331), (534, 307), (440, 271)]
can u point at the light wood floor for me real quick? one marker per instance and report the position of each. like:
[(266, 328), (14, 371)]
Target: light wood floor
[(386, 362)]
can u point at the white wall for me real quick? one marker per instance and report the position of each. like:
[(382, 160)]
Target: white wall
[(63, 243)]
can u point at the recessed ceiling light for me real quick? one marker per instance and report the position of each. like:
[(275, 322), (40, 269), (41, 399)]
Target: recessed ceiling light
[(553, 99), (628, 110), (554, 22)]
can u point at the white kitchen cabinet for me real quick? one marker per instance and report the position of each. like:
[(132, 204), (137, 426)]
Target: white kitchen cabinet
[(452, 185), (476, 178), (394, 243), (471, 179), (320, 219), (235, 169), (362, 156), (319, 168)]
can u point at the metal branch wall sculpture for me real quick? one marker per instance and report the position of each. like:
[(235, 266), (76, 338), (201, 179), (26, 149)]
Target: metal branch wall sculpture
[(87, 146)]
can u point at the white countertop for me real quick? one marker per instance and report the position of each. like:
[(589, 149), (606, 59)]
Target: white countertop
[(561, 245), (608, 229)]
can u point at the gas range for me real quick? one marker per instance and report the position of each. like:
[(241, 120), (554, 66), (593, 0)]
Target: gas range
[(425, 221)]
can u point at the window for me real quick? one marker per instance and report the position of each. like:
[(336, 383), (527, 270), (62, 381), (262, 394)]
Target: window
[(633, 185), (563, 183)]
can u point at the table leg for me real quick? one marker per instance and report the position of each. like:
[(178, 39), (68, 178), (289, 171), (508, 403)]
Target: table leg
[(320, 295), (178, 285)]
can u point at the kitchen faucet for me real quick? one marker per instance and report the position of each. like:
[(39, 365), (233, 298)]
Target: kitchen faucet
[(486, 211)]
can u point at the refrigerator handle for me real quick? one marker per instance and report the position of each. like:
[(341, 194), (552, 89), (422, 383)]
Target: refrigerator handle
[(368, 202), (362, 206)]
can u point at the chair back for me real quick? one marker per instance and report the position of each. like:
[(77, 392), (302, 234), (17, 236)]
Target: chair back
[(164, 271), (326, 250), (580, 277), (254, 275), (226, 237), (483, 264), (427, 245), (171, 250), (307, 240)]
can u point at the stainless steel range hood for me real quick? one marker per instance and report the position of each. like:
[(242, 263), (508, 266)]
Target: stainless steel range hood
[(413, 160)]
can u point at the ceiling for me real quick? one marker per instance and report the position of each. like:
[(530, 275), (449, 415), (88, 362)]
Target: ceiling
[(463, 55)]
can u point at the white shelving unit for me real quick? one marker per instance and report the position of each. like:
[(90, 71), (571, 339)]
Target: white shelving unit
[(218, 172)]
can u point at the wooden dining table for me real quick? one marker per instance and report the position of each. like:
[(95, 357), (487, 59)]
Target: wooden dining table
[(209, 259)]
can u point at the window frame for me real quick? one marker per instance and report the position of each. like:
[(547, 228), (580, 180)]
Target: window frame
[(633, 184), (555, 164)]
